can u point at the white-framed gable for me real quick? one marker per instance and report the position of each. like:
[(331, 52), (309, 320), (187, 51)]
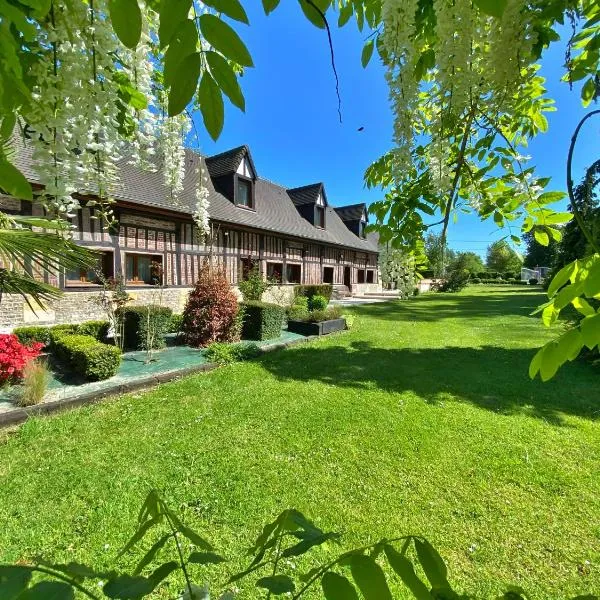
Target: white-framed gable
[(245, 168)]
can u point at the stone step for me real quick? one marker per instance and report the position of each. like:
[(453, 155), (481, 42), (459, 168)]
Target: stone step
[(340, 292)]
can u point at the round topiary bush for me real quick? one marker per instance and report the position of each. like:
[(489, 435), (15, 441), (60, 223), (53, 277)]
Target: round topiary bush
[(533, 281), (211, 310)]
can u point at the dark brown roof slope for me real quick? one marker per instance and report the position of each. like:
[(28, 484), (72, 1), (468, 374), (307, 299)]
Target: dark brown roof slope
[(274, 210), (306, 194), (352, 212), (228, 162)]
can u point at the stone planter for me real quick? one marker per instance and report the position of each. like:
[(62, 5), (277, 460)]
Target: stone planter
[(321, 328)]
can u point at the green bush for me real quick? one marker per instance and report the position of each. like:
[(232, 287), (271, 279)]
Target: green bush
[(254, 286), (318, 303), (300, 302), (316, 316), (175, 324), (88, 357), (137, 324), (533, 281), (309, 291), (97, 329), (28, 335), (456, 281), (224, 354), (262, 321), (475, 280), (59, 331)]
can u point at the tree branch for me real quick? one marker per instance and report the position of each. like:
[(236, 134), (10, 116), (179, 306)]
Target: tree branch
[(335, 74), (576, 212)]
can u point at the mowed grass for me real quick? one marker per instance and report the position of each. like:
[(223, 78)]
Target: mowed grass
[(420, 420)]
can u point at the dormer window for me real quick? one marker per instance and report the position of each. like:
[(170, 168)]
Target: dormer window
[(361, 227), (320, 217), (244, 196)]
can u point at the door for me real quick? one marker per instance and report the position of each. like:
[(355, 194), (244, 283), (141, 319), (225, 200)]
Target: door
[(347, 277)]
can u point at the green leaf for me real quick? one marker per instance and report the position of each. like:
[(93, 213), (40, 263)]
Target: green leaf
[(551, 361), (183, 43), (583, 306), (567, 295), (276, 584), (591, 284), (312, 14), (211, 106), (569, 345), (149, 556), (13, 182), (558, 218), (541, 237), (232, 8), (337, 587), (432, 563), (369, 578), (308, 543), (562, 277), (405, 570), (270, 5), (13, 580), (226, 79), (172, 13), (590, 330), (224, 39), (550, 197), (346, 13), (549, 315), (184, 84), (126, 19), (588, 91), (49, 590), (536, 363), (205, 558), (142, 530), (367, 52), (494, 8)]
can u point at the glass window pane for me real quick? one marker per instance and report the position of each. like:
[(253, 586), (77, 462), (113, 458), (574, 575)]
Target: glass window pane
[(243, 195)]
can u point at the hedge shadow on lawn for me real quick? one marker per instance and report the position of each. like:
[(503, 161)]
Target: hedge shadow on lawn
[(436, 307), (489, 377)]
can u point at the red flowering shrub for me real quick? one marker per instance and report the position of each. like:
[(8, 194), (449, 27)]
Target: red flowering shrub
[(14, 356), (211, 310)]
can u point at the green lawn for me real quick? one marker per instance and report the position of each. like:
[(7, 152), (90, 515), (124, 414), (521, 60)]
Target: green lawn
[(422, 420)]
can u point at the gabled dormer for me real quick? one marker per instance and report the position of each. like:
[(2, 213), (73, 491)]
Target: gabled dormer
[(311, 202), (355, 218), (233, 174)]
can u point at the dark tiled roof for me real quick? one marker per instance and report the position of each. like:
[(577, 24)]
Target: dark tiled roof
[(352, 212), (306, 194), (226, 162), (274, 209)]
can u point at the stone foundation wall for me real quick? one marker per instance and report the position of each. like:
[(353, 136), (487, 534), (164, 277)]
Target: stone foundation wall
[(77, 307), (360, 289)]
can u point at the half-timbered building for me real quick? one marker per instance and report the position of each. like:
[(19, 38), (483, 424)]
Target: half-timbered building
[(294, 235)]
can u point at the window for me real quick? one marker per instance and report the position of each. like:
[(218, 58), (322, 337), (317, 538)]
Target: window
[(361, 230), (327, 274), (360, 276), (143, 269), (244, 193), (275, 271), (246, 265), (104, 266), (370, 276), (320, 217), (293, 273)]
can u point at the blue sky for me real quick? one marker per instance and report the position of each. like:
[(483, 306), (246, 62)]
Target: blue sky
[(291, 122)]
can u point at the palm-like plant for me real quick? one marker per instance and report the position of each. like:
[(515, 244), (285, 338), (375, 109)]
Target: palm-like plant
[(23, 249)]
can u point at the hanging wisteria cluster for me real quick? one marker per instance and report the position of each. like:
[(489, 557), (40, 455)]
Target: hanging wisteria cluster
[(98, 103), (438, 79)]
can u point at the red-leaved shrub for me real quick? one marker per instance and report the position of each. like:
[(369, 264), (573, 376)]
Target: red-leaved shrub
[(14, 356), (211, 309)]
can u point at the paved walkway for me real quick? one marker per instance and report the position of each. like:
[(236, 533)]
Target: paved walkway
[(355, 301)]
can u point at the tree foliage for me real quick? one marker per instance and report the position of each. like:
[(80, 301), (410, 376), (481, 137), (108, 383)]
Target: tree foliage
[(467, 261), (538, 255), (502, 258)]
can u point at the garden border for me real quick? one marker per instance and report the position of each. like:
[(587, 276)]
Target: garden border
[(21, 414)]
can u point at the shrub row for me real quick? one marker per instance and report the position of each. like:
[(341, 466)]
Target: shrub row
[(139, 320), (300, 313), (309, 291), (498, 281), (45, 335), (224, 354), (262, 321), (86, 356)]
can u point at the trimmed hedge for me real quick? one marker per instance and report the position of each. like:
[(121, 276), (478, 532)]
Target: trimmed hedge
[(87, 357), (135, 320), (46, 335), (309, 291), (29, 335), (318, 303), (262, 321)]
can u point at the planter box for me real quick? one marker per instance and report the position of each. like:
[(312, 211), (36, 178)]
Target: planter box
[(322, 328)]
